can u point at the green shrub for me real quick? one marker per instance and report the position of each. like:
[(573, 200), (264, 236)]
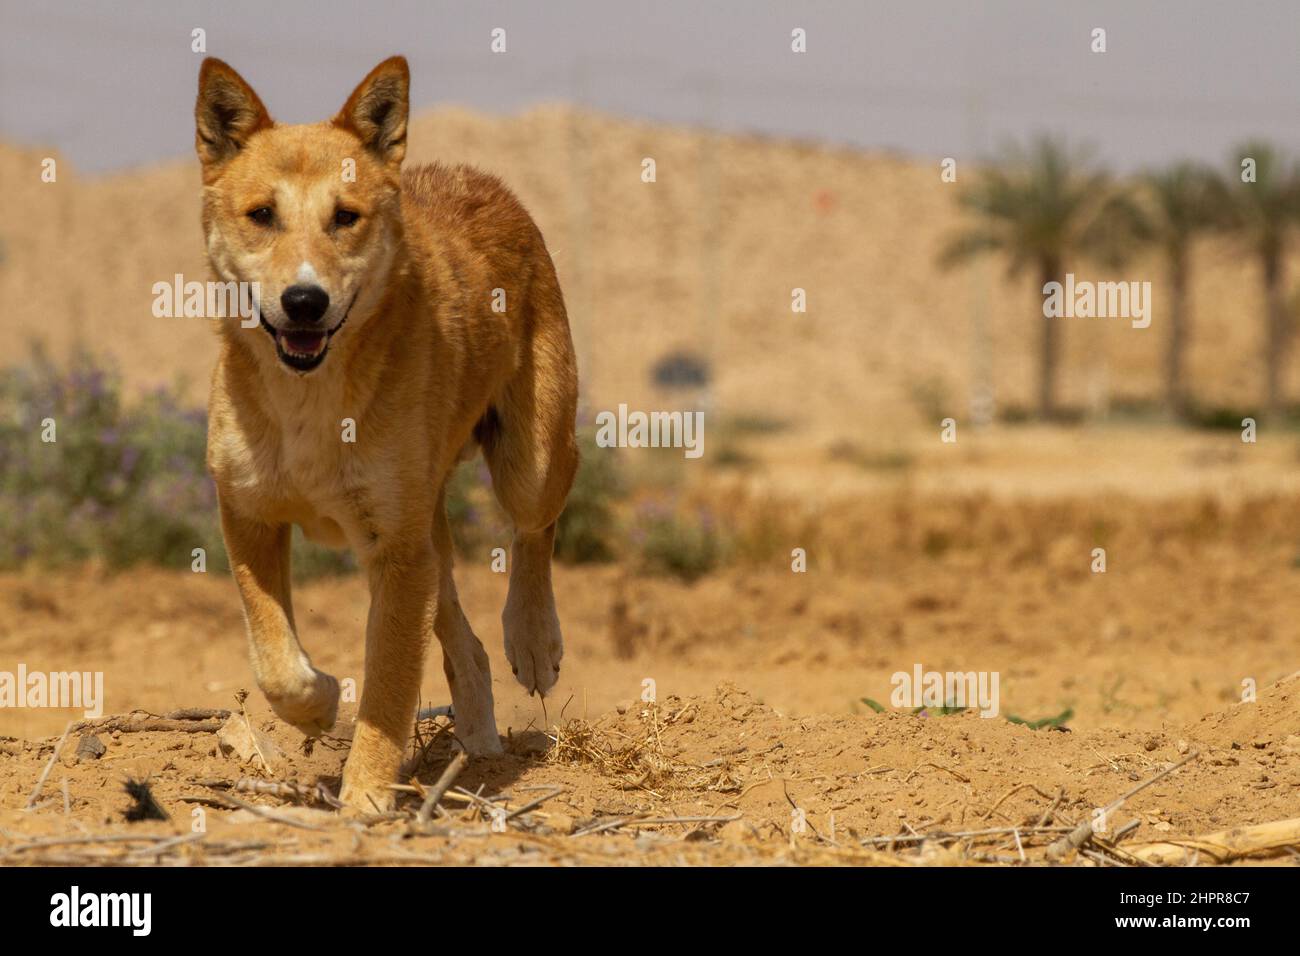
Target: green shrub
[(477, 522), (676, 539), (587, 527), (1219, 417)]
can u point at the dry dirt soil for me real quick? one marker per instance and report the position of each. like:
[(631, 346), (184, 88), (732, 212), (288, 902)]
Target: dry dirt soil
[(759, 748)]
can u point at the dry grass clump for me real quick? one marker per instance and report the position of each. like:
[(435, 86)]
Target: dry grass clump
[(638, 763), (638, 760)]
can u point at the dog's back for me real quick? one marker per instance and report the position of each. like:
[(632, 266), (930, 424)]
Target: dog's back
[(491, 275), (481, 225)]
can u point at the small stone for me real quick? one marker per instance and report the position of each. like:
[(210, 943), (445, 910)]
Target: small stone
[(240, 738), (1151, 744), (623, 706), (1183, 746), (90, 747)]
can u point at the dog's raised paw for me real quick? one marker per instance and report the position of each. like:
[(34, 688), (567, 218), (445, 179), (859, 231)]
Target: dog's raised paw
[(311, 704), (534, 647)]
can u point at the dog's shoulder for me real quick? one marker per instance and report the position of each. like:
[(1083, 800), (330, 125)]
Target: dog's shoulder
[(466, 196)]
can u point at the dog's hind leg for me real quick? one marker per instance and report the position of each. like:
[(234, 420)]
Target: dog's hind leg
[(463, 659), (528, 440)]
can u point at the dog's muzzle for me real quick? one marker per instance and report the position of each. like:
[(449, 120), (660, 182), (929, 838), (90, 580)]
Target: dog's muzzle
[(302, 347)]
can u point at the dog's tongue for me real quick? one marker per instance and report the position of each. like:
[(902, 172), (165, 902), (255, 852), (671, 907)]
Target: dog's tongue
[(303, 343)]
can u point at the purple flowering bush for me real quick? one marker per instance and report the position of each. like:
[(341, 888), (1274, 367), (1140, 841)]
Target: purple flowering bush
[(123, 483), (675, 537), (119, 483), (84, 477)]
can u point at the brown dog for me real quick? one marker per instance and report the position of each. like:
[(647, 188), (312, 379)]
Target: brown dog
[(404, 316)]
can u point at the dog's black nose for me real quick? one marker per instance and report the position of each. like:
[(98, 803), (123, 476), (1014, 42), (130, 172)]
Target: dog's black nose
[(305, 303)]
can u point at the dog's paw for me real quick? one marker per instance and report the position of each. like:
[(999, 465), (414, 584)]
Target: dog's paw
[(310, 702), (366, 789), (361, 800), (480, 743), (534, 646)]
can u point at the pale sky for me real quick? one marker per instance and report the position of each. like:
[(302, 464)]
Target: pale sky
[(112, 85)]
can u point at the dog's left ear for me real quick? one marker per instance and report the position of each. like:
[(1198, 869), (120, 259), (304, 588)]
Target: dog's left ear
[(377, 109)]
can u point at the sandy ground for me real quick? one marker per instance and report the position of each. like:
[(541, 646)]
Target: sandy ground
[(758, 674)]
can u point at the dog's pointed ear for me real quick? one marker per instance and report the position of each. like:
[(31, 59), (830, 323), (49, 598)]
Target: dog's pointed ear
[(376, 111), (226, 114)]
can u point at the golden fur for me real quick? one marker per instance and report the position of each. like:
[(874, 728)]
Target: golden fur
[(423, 367)]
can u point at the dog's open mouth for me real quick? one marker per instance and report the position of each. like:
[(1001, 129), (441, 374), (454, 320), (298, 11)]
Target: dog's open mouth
[(303, 349)]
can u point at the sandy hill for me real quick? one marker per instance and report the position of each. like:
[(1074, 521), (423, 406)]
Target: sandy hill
[(704, 259)]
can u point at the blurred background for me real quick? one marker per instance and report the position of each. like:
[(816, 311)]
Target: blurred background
[(775, 171)]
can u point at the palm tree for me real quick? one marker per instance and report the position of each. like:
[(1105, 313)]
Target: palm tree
[(1038, 207), (1262, 212), (1171, 207)]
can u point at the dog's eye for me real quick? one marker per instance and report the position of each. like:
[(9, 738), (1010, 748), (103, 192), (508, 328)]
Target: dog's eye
[(262, 215), (345, 217)]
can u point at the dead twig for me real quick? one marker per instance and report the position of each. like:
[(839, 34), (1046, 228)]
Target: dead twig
[(235, 803), (942, 835), (1084, 832), (1222, 846), (252, 734), (1047, 814), (198, 713), (286, 789), (79, 841), (1008, 795), (660, 821), (936, 766), (58, 748), (444, 783), (535, 803)]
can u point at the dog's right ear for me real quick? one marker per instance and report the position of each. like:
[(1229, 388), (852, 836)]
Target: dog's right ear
[(226, 114)]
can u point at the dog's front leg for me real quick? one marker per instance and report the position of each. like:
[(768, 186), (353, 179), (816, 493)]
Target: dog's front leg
[(403, 599), (259, 559)]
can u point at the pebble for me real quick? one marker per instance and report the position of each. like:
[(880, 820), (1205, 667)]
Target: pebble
[(90, 747)]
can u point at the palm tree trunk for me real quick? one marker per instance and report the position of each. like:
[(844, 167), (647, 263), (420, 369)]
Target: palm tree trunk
[(1049, 268), (1278, 338), (1179, 332)]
